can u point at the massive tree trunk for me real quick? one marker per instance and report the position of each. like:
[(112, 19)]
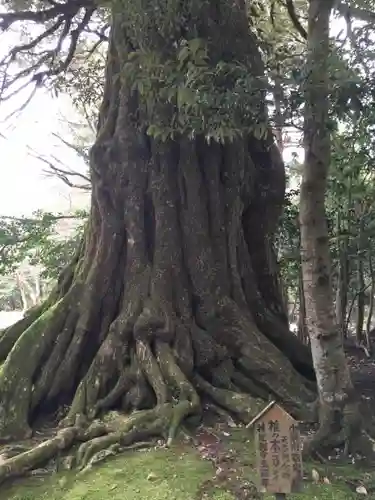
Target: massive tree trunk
[(174, 295), (339, 413)]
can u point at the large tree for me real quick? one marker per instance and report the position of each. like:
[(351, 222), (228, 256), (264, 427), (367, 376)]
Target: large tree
[(173, 295)]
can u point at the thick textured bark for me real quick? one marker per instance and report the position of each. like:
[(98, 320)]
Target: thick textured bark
[(339, 415), (175, 294)]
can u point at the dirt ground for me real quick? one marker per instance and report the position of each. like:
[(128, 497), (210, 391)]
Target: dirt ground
[(363, 375)]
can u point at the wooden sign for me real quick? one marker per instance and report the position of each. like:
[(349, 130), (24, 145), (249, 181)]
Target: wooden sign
[(278, 445)]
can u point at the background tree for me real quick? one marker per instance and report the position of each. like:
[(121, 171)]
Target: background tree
[(36, 248), (336, 393), (350, 179), (33, 253)]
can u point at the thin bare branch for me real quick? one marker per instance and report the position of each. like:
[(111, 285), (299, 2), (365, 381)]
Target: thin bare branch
[(79, 151), (295, 19), (66, 21), (67, 9), (42, 220), (25, 103), (358, 13), (64, 174)]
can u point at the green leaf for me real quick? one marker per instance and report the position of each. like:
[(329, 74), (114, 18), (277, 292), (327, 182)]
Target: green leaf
[(260, 131), (151, 130), (183, 54), (195, 44), (185, 97)]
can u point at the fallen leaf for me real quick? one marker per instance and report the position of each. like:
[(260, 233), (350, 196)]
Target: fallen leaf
[(315, 475), (361, 490), (220, 473), (62, 482)]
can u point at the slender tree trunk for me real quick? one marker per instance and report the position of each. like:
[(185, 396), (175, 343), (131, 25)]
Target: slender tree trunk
[(360, 316), (336, 394), (292, 312), (303, 333), (278, 98), (21, 288), (371, 304), (342, 282)]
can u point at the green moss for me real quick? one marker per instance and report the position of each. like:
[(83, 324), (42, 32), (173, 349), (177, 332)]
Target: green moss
[(321, 492), (157, 474), (16, 374), (318, 493), (222, 495), (180, 474)]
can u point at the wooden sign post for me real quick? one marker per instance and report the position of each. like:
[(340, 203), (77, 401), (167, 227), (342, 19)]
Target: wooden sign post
[(279, 457)]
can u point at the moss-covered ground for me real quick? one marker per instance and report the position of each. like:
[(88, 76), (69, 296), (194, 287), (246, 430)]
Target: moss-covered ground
[(218, 464)]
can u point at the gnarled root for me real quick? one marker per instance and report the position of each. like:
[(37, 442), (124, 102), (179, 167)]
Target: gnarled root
[(103, 438), (175, 398), (340, 425), (28, 460), (144, 378), (116, 432), (140, 426)]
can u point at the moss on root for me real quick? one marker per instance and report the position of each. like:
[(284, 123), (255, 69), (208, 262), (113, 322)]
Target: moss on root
[(175, 394), (155, 474), (17, 372), (180, 473)]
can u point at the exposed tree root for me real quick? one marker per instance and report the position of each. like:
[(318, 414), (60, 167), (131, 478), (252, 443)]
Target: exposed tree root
[(103, 438), (23, 462), (242, 405), (341, 426), (176, 398), (153, 364)]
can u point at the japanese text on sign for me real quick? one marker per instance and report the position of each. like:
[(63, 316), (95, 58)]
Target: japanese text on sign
[(278, 450)]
